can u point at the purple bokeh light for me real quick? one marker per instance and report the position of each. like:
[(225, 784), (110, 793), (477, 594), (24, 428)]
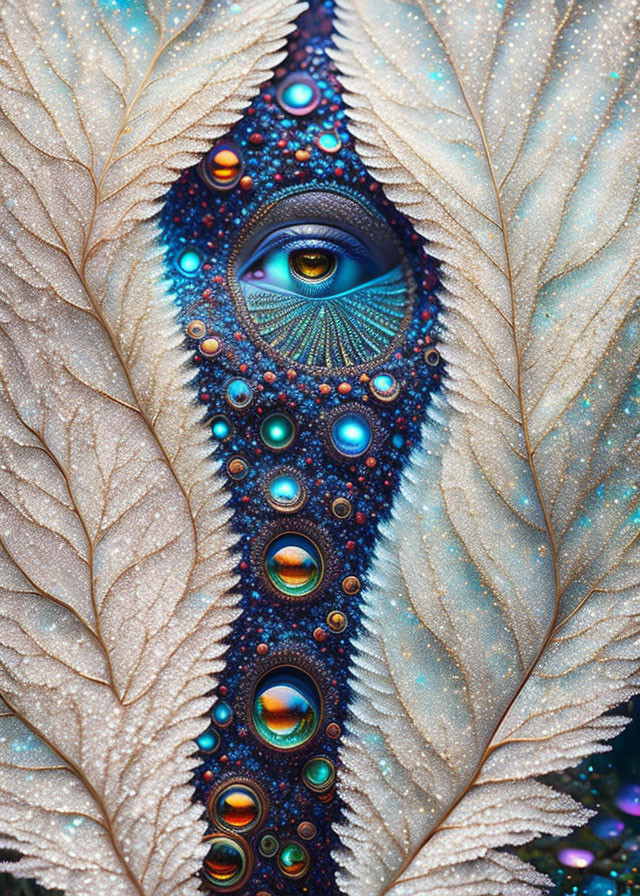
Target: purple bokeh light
[(575, 858)]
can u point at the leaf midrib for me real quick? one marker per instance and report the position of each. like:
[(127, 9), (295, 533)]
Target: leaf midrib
[(531, 463), (81, 273)]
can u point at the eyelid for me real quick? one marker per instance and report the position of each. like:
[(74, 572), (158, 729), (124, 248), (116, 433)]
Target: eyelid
[(320, 209), (321, 236)]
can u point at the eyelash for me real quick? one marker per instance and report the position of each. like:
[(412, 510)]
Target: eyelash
[(290, 240)]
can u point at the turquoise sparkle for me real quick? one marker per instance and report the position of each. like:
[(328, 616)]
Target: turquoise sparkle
[(222, 713), (208, 741), (297, 95), (189, 262), (329, 142), (285, 490), (351, 434), (221, 428)]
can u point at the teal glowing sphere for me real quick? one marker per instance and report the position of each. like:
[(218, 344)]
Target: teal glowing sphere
[(329, 141), (208, 741), (319, 774), (277, 431), (221, 428), (298, 95), (293, 860), (222, 714), (384, 387), (189, 262), (351, 434)]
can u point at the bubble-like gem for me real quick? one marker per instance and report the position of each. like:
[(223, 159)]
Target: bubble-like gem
[(237, 807), (238, 468), (196, 329), (238, 393), (208, 741), (210, 347), (268, 845), (222, 167), (432, 357), (336, 621), (293, 860), (319, 774), (277, 431), (351, 434), (286, 708), (221, 428), (384, 387), (298, 94), (285, 492), (307, 830), (222, 714), (341, 508), (294, 564), (228, 862), (351, 584), (189, 262), (329, 141)]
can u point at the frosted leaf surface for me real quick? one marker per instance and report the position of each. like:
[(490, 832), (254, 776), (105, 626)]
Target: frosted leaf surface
[(503, 617)]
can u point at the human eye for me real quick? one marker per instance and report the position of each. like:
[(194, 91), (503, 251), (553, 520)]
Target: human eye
[(321, 292), (312, 260)]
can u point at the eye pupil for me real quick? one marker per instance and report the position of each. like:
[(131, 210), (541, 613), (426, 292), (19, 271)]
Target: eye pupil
[(312, 264)]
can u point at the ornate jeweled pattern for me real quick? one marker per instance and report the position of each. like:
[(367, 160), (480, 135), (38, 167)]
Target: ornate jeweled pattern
[(309, 305)]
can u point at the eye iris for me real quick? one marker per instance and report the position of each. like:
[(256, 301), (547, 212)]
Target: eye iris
[(312, 264)]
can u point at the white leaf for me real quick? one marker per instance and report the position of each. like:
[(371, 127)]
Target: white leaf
[(503, 620), (115, 564)]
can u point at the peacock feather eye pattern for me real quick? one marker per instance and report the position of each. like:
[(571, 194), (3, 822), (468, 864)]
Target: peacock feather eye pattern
[(309, 305)]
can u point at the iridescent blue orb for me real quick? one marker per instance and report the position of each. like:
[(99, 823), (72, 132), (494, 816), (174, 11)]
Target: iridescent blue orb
[(607, 828), (351, 434), (628, 799), (285, 492), (600, 886), (238, 393), (222, 713), (384, 387), (221, 428), (298, 94), (208, 741), (329, 141), (189, 262)]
